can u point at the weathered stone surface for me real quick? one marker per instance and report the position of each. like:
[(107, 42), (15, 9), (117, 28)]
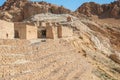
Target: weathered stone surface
[(24, 31), (115, 57), (6, 30), (103, 11), (23, 9), (83, 56), (90, 9), (42, 7), (13, 4)]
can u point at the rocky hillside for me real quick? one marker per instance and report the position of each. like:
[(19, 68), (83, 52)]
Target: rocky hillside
[(36, 60), (13, 4), (18, 10), (88, 55), (92, 53), (111, 10)]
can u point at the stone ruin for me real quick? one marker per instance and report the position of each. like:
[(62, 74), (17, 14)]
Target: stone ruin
[(42, 29), (10, 30), (6, 30), (25, 31), (53, 30)]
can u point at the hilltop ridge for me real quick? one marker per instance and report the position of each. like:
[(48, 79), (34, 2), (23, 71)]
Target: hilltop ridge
[(111, 10), (18, 10)]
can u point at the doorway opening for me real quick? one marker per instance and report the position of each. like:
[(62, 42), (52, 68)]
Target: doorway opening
[(16, 34), (43, 33)]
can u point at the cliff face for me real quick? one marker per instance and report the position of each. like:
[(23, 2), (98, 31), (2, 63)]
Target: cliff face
[(111, 10), (18, 10)]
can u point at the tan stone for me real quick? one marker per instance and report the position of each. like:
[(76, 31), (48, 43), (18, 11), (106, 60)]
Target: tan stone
[(49, 32), (64, 31), (24, 31), (6, 30), (53, 31)]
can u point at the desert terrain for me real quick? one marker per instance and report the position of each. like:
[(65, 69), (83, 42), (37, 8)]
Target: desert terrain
[(91, 53)]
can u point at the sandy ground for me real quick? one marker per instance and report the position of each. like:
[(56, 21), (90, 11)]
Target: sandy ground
[(51, 60)]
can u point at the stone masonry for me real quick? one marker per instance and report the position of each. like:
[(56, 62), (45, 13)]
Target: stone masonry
[(6, 30), (24, 31), (52, 30)]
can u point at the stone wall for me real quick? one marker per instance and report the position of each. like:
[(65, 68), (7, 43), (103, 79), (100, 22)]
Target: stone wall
[(49, 32), (59, 30), (64, 31), (26, 31), (53, 30), (6, 30), (21, 29), (31, 32)]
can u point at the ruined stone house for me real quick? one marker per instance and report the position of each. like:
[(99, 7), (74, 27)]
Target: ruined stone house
[(25, 31), (6, 30), (52, 30), (47, 30)]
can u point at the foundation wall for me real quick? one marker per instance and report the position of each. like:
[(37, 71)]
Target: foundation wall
[(6, 30)]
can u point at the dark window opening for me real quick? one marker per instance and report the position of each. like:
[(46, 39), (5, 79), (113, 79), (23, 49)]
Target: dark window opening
[(43, 33), (17, 34)]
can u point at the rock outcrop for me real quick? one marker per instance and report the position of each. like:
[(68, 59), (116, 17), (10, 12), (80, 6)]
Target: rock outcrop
[(111, 10), (115, 57), (13, 4), (42, 7), (22, 9)]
